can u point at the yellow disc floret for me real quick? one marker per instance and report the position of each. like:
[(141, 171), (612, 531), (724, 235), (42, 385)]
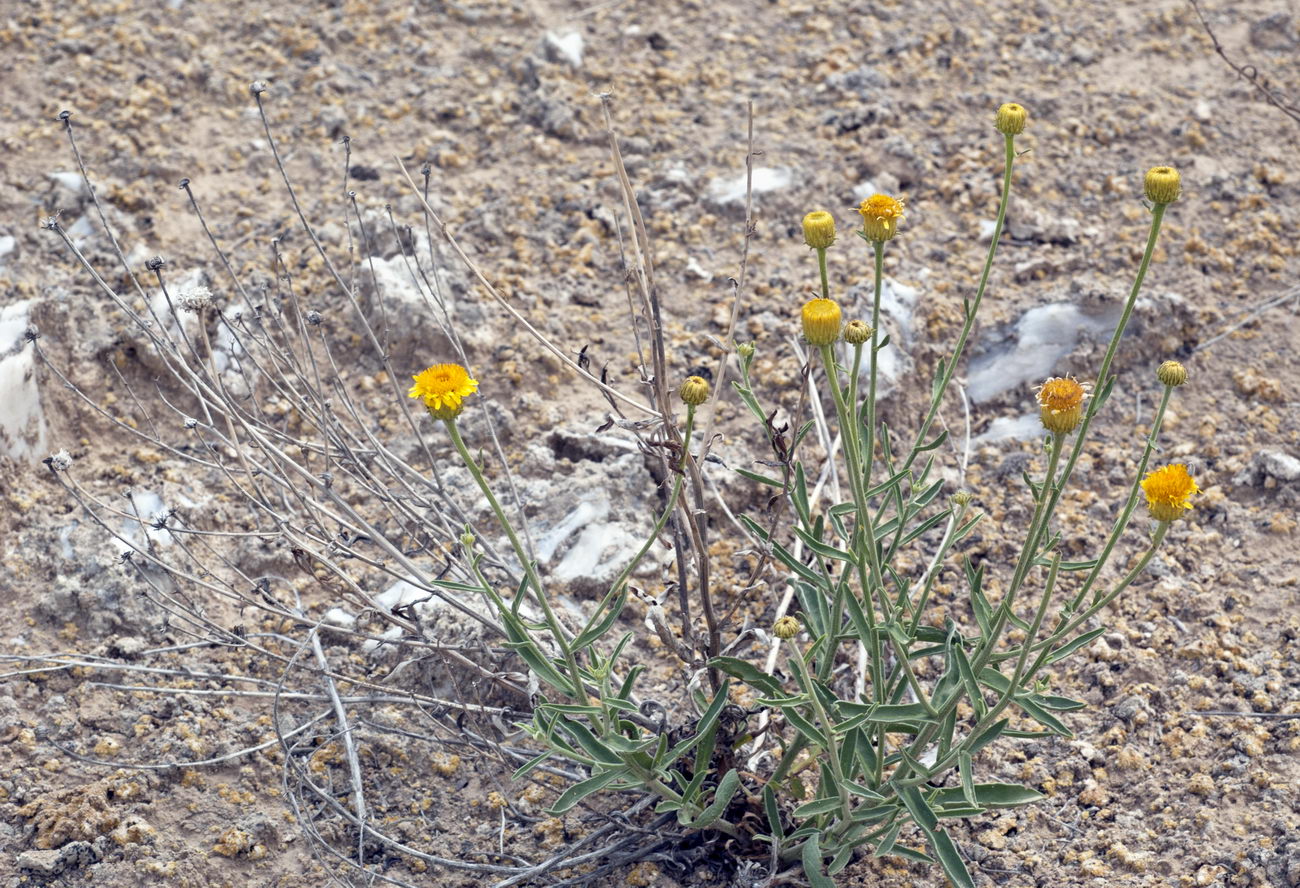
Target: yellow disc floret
[(443, 387), (1168, 489), (819, 229), (1060, 402), (1011, 119), (821, 321), (694, 391), (1162, 185), (880, 216)]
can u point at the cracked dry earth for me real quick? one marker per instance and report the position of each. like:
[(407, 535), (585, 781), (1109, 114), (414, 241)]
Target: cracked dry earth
[(1159, 785)]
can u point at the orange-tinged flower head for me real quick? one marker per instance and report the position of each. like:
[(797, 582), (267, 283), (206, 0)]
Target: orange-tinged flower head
[(819, 229), (1168, 489), (443, 387), (880, 216), (1060, 402), (821, 321)]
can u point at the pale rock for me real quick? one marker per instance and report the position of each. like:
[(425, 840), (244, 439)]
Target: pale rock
[(731, 189)]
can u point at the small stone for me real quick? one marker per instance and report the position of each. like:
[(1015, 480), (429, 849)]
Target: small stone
[(45, 863), (1268, 468)]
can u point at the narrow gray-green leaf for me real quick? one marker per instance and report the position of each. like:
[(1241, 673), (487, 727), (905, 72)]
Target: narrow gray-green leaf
[(749, 674), (580, 791), (727, 787), (812, 863)]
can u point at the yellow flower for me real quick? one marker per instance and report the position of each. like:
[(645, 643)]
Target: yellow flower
[(1060, 402), (694, 391), (1167, 490), (1011, 119), (821, 321), (880, 215), (1171, 373), (1162, 185), (443, 387), (819, 229)]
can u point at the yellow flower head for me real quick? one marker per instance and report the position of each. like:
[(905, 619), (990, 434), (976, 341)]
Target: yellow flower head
[(1060, 402), (786, 628), (1167, 490), (819, 229), (1011, 119), (1171, 373), (694, 391), (821, 321), (1162, 185), (880, 215), (443, 387)]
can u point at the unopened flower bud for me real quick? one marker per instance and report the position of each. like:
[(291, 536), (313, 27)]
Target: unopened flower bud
[(962, 498), (694, 391), (1162, 185), (745, 350), (1171, 373), (786, 628), (467, 540), (1011, 119), (821, 321), (819, 229), (857, 332)]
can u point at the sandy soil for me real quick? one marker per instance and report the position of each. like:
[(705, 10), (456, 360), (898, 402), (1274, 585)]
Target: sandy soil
[(1152, 791)]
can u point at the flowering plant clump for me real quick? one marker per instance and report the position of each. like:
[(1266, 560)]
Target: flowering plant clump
[(866, 764), (849, 719)]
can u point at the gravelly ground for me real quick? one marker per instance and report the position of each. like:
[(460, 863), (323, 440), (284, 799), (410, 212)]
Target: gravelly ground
[(898, 95)]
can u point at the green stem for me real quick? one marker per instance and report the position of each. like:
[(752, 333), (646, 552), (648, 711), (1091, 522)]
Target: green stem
[(1048, 588), (985, 650), (832, 748), (1126, 515), (1005, 700), (878, 248), (1101, 603), (530, 572), (1157, 215), (1102, 385), (863, 532), (972, 309), (1042, 515), (821, 265)]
